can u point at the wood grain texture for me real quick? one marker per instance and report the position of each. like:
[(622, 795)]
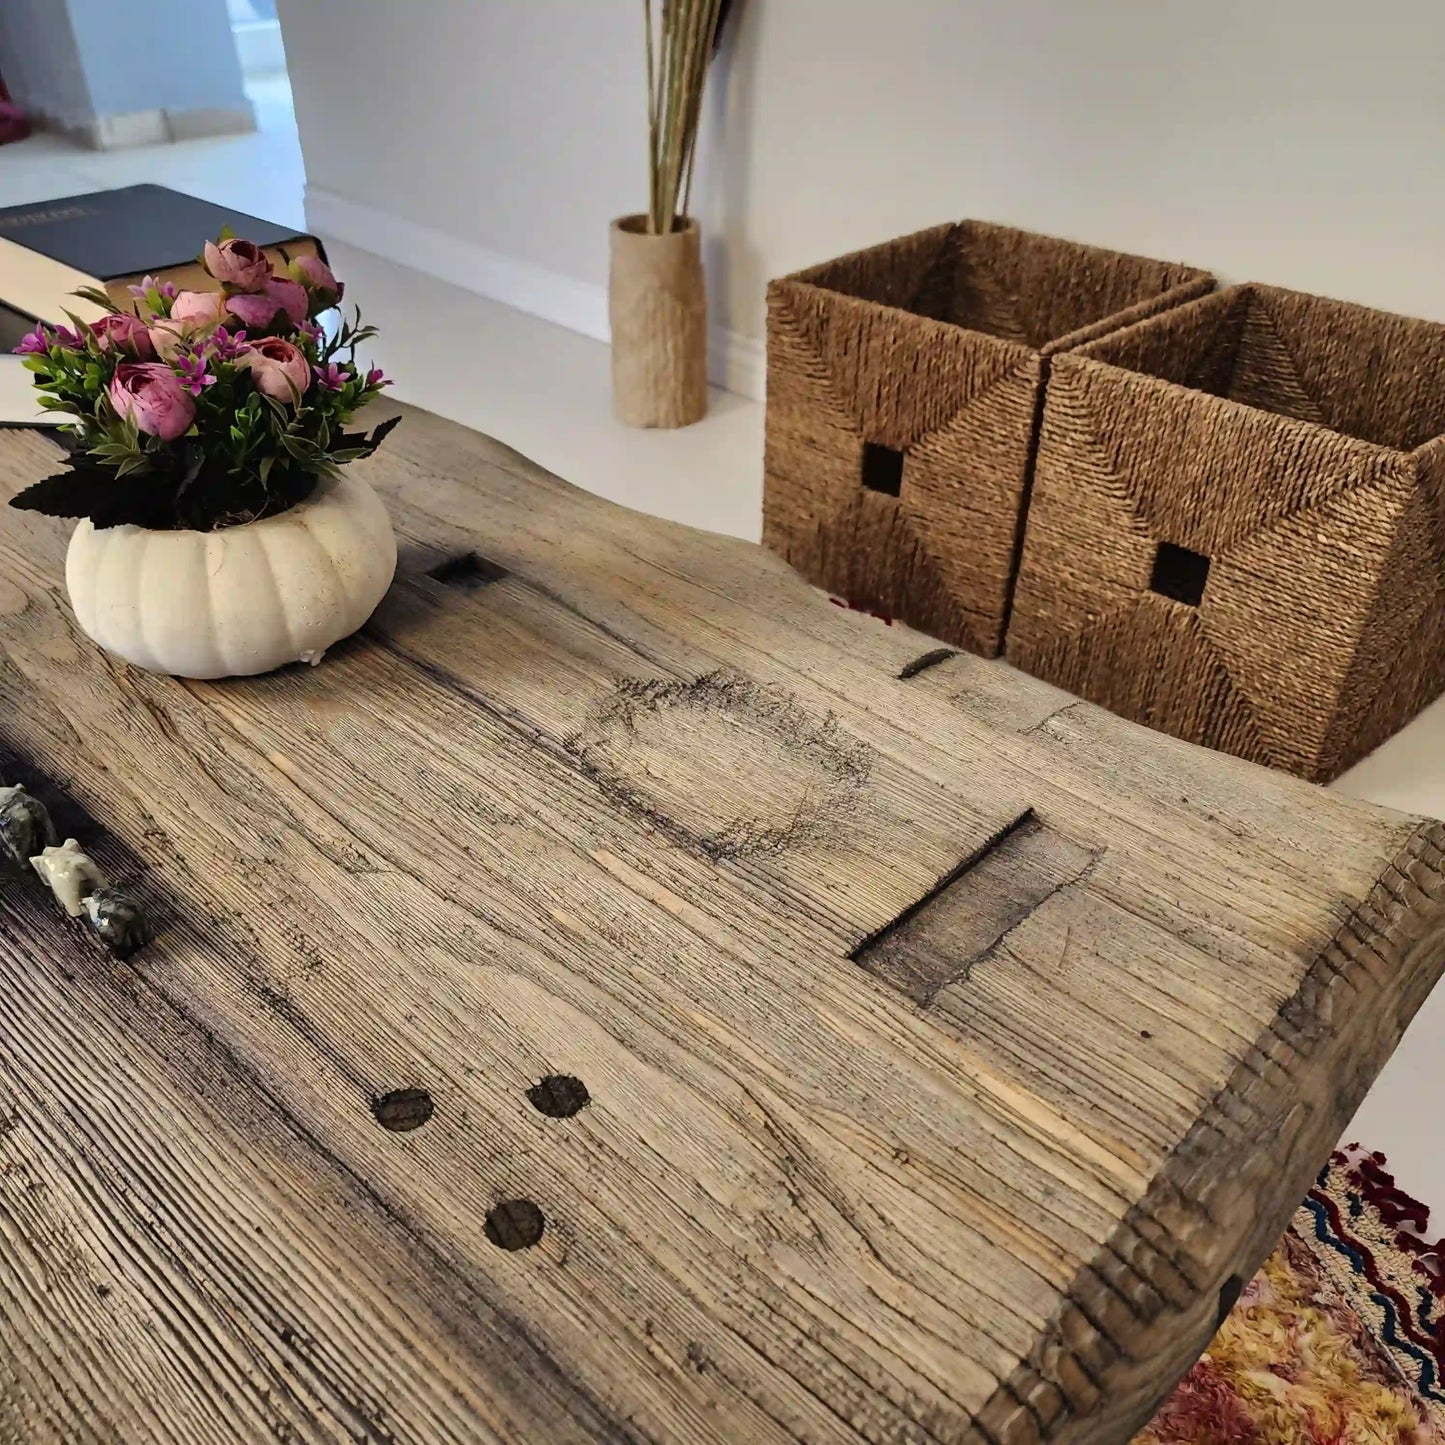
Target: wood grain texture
[(937, 1049)]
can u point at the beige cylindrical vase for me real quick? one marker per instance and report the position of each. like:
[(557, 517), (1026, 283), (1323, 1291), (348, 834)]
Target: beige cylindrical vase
[(659, 325)]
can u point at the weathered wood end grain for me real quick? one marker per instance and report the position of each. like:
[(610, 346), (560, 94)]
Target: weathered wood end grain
[(621, 996)]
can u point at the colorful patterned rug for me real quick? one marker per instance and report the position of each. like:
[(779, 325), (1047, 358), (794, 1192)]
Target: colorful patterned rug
[(1338, 1340)]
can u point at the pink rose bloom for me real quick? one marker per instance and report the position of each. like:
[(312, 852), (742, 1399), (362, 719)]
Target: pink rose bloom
[(278, 368), (123, 332), (316, 276), (198, 308), (255, 313), (292, 297), (153, 397), (241, 264)]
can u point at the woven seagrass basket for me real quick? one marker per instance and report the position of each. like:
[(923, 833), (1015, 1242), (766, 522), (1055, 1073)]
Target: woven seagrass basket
[(904, 385), (1237, 528)]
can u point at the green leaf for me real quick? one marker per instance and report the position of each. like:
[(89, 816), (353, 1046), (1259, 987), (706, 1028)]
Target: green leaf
[(82, 327), (84, 489), (99, 297), (37, 363), (382, 431)]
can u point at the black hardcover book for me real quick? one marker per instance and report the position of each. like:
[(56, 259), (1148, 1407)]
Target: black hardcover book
[(110, 238), (110, 234), (13, 326)]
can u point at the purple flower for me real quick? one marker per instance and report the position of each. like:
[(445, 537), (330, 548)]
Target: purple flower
[(331, 376), (278, 369), (375, 377), (149, 283), (241, 264), (316, 276), (33, 343), (253, 311), (291, 296), (310, 330), (228, 345), (124, 333), (193, 374)]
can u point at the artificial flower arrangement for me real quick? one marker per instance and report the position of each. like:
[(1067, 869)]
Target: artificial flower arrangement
[(219, 533), (203, 409)]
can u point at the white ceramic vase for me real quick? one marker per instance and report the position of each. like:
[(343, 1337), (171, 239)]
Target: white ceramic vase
[(241, 600)]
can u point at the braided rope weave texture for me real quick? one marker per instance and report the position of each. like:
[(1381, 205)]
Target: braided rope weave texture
[(1294, 442), (935, 346)]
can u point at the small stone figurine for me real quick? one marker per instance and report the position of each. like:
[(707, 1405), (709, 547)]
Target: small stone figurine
[(25, 826), (117, 919), (70, 874), (84, 892)]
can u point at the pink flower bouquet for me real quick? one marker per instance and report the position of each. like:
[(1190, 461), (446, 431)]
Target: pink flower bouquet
[(203, 409)]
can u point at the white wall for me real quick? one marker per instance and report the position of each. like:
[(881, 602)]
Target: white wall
[(41, 62), (175, 55), (1300, 142), (517, 124), (77, 65)]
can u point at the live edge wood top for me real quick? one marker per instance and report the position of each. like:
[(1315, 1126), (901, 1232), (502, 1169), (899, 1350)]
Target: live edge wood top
[(952, 1051)]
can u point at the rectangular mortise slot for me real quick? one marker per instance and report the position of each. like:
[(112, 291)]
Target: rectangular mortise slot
[(467, 570), (882, 469), (938, 940)]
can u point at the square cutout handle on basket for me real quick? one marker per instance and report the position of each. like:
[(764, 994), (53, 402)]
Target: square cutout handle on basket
[(882, 469), (1179, 574)]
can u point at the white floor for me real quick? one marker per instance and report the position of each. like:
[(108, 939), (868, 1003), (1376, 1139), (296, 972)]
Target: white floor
[(545, 391)]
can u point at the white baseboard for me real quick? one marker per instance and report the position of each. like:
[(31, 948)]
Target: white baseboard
[(158, 127), (735, 362)]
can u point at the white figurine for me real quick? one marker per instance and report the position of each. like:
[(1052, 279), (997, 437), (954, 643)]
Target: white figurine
[(70, 874)]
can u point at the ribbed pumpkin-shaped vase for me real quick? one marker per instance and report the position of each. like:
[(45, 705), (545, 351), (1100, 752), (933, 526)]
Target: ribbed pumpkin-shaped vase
[(241, 600)]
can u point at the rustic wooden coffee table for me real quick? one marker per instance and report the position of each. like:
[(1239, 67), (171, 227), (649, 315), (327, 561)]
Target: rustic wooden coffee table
[(622, 996)]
